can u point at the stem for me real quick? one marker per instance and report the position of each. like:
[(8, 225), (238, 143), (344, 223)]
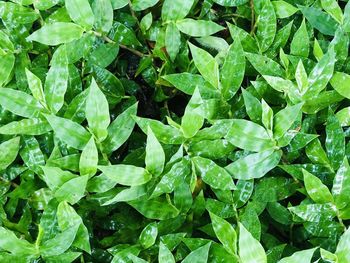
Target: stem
[(253, 24), (108, 40)]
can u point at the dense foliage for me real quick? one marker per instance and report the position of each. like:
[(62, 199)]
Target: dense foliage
[(174, 131)]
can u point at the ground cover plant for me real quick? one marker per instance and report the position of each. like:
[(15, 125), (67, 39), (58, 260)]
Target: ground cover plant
[(174, 131)]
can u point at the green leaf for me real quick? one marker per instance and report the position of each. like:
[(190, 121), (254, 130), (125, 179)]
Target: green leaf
[(343, 117), (319, 20), (198, 28), (335, 141), (57, 33), (176, 9), (225, 233), (172, 40), (119, 130), (103, 12), (200, 255), (267, 116), (234, 65), (267, 25), (254, 165), (284, 119), (89, 159), (56, 82), (300, 44), (339, 82), (35, 86), (8, 152), (253, 106), (20, 103), (80, 12), (9, 242), (250, 250), (320, 75), (333, 9), (148, 235), (73, 190), (164, 254), (139, 5), (69, 132), (7, 62), (97, 111), (284, 9), (213, 175), (264, 65), (341, 185), (206, 65), (126, 174), (316, 189), (343, 247), (155, 157), (35, 126), (155, 209), (250, 136), (300, 256)]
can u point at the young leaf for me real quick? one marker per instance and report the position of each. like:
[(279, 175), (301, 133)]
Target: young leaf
[(57, 33), (232, 71), (155, 157), (56, 82), (126, 174), (225, 233), (69, 132), (267, 25), (250, 250), (8, 152), (89, 159), (198, 28), (316, 189), (300, 43), (97, 111), (206, 65), (80, 12)]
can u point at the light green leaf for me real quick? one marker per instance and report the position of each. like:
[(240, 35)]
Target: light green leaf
[(284, 9), (340, 82), (343, 116), (249, 136), (97, 111), (284, 119), (267, 116), (57, 33), (119, 130), (126, 174), (213, 175), (172, 40), (56, 82), (69, 132), (80, 12), (343, 248), (232, 71), (20, 103), (341, 185), (250, 250), (35, 126), (301, 77), (333, 9), (225, 233), (176, 9), (89, 159), (7, 62), (265, 65), (148, 235), (164, 254), (200, 255), (206, 65), (198, 28), (159, 209), (103, 12), (267, 26), (10, 242), (35, 86), (139, 5), (316, 189), (155, 157), (300, 256), (254, 165), (73, 190), (8, 152), (300, 42)]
